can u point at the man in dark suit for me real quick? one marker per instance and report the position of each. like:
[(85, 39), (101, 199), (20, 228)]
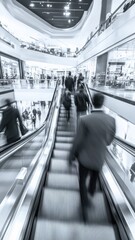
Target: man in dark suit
[(9, 122), (69, 83), (95, 132)]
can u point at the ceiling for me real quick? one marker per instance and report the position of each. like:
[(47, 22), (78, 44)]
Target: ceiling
[(59, 13)]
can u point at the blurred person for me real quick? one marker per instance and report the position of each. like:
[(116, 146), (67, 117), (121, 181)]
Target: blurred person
[(82, 102), (34, 111), (67, 103), (69, 83), (48, 81), (39, 114), (80, 80), (95, 132), (63, 81), (33, 119), (9, 122)]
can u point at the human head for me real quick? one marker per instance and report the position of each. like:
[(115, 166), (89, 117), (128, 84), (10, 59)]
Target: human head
[(7, 102), (69, 73), (98, 100)]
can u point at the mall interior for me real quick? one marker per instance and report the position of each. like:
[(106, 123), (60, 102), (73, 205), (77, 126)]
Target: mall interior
[(40, 43)]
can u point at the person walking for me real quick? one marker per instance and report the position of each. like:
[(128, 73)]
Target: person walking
[(10, 124), (39, 114), (82, 102), (94, 133), (67, 103), (69, 83)]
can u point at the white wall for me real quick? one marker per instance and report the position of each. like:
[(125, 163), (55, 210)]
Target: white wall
[(115, 5)]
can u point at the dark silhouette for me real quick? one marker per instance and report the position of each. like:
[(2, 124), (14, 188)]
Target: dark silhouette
[(80, 80), (132, 171), (39, 114), (81, 101), (69, 82), (10, 124), (67, 103), (95, 132)]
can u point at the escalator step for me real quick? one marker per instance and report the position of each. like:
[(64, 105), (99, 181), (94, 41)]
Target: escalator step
[(64, 139), (61, 166), (62, 181), (63, 146), (58, 204), (54, 230), (59, 154), (97, 212), (66, 128), (65, 133)]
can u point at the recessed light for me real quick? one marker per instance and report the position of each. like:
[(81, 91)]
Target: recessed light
[(66, 14), (80, 0), (69, 21), (32, 4), (66, 7)]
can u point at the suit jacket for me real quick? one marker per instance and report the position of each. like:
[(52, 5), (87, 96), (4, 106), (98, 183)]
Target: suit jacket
[(69, 83), (95, 132), (9, 123)]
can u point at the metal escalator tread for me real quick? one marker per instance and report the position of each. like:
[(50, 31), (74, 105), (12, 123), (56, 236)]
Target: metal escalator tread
[(63, 146), (64, 139), (62, 181), (61, 166), (60, 154), (65, 134), (58, 204), (97, 211), (55, 230)]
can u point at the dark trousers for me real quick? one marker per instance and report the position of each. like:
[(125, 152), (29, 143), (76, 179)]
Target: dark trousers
[(68, 114), (83, 173)]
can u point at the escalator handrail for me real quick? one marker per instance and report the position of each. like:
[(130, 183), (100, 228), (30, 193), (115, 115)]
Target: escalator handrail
[(10, 149), (122, 143), (127, 213), (17, 185)]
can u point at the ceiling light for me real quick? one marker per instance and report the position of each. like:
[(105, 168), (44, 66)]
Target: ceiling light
[(49, 5), (32, 4), (80, 0), (66, 14), (66, 7), (69, 21)]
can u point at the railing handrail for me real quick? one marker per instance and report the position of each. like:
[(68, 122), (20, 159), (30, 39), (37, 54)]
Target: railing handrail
[(129, 147), (100, 25)]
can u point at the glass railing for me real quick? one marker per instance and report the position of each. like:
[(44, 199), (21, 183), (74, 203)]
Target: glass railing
[(124, 6), (6, 84)]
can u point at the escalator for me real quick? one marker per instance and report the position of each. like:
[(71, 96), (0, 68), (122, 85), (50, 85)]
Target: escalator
[(17, 158), (60, 214), (12, 165), (50, 207)]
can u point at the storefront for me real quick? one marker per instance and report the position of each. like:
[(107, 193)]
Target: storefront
[(10, 68)]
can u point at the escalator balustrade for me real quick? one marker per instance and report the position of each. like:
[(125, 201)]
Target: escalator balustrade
[(60, 214)]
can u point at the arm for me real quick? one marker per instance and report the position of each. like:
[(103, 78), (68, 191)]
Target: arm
[(111, 132), (78, 141)]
